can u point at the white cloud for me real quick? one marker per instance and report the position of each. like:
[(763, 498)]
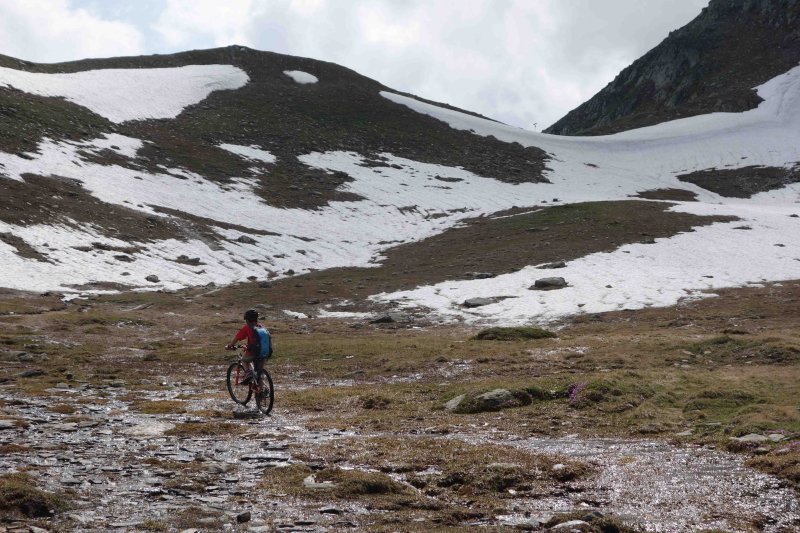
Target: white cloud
[(519, 61), (515, 60), (53, 30)]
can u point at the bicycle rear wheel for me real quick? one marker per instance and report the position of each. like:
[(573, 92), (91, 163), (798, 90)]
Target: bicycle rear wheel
[(265, 396), (239, 393)]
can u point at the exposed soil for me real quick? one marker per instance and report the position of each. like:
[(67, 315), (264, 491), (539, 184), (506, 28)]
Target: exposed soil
[(743, 182)]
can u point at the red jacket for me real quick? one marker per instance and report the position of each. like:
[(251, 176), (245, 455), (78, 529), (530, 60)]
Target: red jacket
[(247, 333)]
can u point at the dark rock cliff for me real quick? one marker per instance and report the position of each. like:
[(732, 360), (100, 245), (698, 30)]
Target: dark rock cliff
[(711, 64)]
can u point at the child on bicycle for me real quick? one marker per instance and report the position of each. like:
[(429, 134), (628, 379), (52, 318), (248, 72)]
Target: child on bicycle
[(259, 344)]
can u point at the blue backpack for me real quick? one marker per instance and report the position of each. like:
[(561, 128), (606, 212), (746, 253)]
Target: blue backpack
[(262, 347)]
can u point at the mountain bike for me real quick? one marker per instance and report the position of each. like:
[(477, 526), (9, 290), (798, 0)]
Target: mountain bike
[(261, 387)]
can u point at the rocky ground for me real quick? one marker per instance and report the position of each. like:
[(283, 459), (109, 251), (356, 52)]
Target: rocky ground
[(114, 415)]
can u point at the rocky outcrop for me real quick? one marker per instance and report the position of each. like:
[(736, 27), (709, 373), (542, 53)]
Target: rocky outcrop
[(711, 64)]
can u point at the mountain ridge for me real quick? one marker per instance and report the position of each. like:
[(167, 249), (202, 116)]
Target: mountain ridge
[(712, 64)]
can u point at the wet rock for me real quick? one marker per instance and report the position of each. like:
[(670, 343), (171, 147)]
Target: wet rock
[(330, 510), (477, 302), (546, 284), (152, 278), (241, 518)]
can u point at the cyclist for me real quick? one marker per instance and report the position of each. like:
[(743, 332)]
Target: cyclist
[(250, 333)]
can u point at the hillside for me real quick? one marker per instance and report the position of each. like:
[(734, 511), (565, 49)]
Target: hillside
[(259, 168), (712, 64)]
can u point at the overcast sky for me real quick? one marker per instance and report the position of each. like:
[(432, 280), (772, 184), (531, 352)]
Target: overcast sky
[(518, 61)]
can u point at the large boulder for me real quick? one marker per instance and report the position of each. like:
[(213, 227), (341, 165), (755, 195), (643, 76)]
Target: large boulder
[(477, 302), (546, 284), (493, 400)]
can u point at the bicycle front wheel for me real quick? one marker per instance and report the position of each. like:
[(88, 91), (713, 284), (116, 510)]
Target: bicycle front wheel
[(239, 393), (265, 396)]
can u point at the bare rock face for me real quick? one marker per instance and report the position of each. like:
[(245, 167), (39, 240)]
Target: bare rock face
[(709, 65)]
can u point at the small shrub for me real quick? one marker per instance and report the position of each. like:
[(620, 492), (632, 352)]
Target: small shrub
[(513, 334)]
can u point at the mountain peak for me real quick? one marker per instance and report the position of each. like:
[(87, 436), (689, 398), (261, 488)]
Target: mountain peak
[(710, 65)]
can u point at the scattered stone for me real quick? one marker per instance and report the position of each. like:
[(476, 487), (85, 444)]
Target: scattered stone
[(572, 525), (686, 433), (246, 415), (385, 319), (559, 467), (557, 264), (7, 424), (330, 510), (244, 239), (480, 275), (532, 523), (751, 437), (152, 278), (32, 373), (126, 525), (265, 284), (776, 437), (311, 483), (477, 302), (453, 404), (493, 400), (241, 518), (545, 284)]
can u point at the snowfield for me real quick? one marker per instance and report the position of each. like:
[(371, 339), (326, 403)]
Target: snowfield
[(408, 203), (130, 94)]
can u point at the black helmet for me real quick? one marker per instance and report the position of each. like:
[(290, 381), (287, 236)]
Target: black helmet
[(251, 315)]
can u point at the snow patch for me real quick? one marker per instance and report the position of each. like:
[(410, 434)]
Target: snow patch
[(301, 77), (252, 152), (130, 94)]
